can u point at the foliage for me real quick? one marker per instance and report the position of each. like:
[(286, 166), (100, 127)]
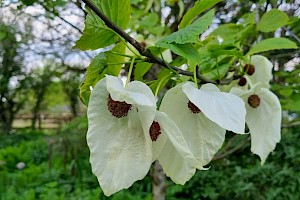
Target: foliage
[(56, 165), (239, 176), (216, 54)]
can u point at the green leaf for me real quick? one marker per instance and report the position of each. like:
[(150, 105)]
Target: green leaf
[(293, 103), (96, 34), (162, 79), (98, 68), (286, 92), (272, 44), (151, 23), (2, 35), (113, 58), (141, 69), (196, 10), (249, 18), (233, 33), (185, 50), (272, 20), (93, 75), (190, 34), (149, 20), (292, 106)]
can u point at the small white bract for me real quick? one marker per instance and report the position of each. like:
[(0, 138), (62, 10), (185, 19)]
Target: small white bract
[(263, 70)]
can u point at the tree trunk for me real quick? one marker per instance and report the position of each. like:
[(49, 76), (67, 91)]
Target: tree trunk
[(36, 109), (7, 117), (158, 182)]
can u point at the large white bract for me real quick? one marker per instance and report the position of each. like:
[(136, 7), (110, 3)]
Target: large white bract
[(121, 148), (204, 131)]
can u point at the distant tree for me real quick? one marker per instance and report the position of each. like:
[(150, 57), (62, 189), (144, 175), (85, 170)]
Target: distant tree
[(14, 84), (70, 83), (41, 80)]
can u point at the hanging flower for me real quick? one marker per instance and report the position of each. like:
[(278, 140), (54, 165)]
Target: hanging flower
[(259, 70), (126, 134), (118, 133), (203, 116), (262, 70), (263, 119)]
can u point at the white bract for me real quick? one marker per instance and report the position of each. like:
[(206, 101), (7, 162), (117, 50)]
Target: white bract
[(263, 71), (264, 121), (122, 149), (204, 131), (262, 74), (174, 155)]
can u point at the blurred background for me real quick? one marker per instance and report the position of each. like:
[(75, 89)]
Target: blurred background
[(43, 151)]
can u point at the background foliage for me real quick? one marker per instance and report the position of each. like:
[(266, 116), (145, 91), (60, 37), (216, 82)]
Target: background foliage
[(57, 165)]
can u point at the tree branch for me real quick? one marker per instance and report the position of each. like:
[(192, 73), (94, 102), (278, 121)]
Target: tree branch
[(231, 151), (292, 34), (63, 19), (143, 51)]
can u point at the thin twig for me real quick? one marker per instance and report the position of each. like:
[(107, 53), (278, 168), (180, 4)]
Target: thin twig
[(64, 20), (292, 34), (231, 151), (291, 124)]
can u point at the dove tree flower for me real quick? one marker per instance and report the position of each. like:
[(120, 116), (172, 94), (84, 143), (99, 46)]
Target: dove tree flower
[(259, 70), (126, 134), (263, 108), (203, 116), (262, 70), (263, 118)]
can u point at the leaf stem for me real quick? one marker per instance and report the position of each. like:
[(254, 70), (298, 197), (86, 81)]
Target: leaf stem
[(129, 47), (159, 85), (120, 63), (129, 72), (120, 54), (195, 76)]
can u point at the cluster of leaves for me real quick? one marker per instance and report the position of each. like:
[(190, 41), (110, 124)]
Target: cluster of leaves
[(215, 55), (287, 85)]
